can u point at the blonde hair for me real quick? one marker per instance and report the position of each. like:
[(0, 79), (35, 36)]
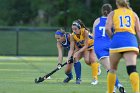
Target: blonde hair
[(123, 3)]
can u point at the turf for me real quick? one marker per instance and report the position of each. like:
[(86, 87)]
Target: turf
[(17, 75)]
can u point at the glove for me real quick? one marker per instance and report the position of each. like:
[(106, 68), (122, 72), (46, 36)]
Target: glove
[(70, 60), (59, 65)]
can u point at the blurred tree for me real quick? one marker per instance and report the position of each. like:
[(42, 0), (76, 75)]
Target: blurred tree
[(53, 12), (88, 2), (22, 12), (17, 12)]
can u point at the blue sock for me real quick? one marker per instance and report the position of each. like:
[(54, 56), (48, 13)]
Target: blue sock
[(69, 75), (77, 67), (117, 81)]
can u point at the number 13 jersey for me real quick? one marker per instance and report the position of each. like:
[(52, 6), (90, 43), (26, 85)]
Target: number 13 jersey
[(124, 22)]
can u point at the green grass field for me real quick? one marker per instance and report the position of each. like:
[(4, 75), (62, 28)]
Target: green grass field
[(17, 75)]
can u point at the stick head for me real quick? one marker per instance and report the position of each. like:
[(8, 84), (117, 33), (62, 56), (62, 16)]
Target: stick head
[(38, 80)]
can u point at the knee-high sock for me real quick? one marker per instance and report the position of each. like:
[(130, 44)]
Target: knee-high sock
[(69, 75), (111, 78), (117, 81), (94, 67), (77, 67), (134, 78)]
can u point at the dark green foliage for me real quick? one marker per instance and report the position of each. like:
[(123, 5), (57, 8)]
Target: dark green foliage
[(16, 12), (53, 12)]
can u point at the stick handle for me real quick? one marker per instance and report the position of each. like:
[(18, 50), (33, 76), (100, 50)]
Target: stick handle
[(52, 72)]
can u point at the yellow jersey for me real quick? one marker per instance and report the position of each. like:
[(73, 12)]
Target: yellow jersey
[(124, 20), (80, 41)]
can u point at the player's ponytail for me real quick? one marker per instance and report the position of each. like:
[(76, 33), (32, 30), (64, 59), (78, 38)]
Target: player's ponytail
[(128, 5), (106, 9), (79, 23)]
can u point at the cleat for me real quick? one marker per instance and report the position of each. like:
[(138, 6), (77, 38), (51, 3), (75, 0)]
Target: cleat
[(99, 70), (40, 79), (78, 81), (67, 80), (94, 82), (121, 88)]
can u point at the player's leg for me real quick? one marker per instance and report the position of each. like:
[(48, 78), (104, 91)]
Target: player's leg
[(94, 58), (77, 67), (111, 77), (68, 72), (130, 58), (94, 65), (106, 63)]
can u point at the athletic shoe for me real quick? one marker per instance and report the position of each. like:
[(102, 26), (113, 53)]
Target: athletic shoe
[(94, 82), (67, 80), (121, 88), (78, 81), (99, 69)]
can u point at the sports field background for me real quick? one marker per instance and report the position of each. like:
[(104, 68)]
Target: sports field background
[(17, 75), (27, 42)]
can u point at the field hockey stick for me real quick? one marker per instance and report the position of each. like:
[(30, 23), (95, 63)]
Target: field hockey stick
[(41, 79)]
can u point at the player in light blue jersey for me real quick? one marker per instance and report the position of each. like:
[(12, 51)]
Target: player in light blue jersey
[(63, 41), (102, 42)]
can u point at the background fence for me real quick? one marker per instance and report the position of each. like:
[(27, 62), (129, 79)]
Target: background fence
[(28, 41)]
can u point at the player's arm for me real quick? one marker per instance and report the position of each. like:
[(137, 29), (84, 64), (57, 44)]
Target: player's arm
[(109, 24), (76, 48), (137, 26), (60, 53), (72, 43), (96, 22)]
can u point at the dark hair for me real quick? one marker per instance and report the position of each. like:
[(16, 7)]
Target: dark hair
[(79, 23), (106, 9)]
